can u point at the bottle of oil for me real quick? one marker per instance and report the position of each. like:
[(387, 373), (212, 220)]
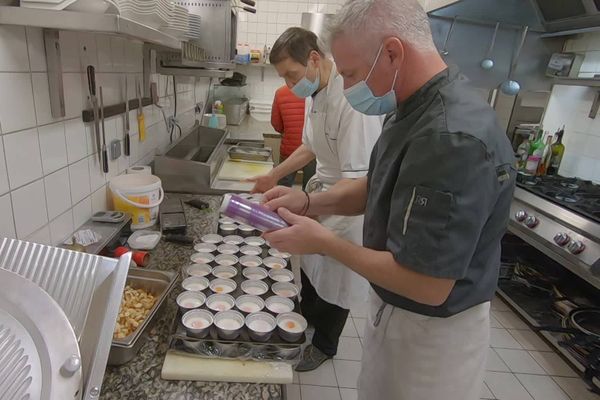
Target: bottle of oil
[(558, 150)]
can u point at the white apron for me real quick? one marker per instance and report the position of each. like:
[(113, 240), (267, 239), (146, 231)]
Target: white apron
[(409, 356), (334, 282)]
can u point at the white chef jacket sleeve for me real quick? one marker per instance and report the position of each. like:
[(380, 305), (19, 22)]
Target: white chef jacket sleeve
[(356, 137), (307, 129)]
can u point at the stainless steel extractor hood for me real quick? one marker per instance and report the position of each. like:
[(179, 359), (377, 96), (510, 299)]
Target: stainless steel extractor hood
[(562, 15)]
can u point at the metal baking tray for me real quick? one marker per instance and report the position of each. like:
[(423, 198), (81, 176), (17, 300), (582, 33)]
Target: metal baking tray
[(159, 283), (249, 153)]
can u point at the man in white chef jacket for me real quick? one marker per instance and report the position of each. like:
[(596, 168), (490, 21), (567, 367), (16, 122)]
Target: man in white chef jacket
[(435, 200), (341, 140)]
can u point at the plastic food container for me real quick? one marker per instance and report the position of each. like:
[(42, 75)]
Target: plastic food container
[(220, 302), (255, 273), (279, 254), (228, 249), (229, 324), (202, 258), (256, 241), (224, 272), (223, 286), (275, 262), (226, 259), (197, 270), (285, 289), (205, 247), (281, 275), (251, 251), (256, 288), (233, 239), (249, 304), (291, 326), (197, 322), (279, 305), (212, 238), (260, 326), (228, 229), (194, 284), (190, 300), (251, 261)]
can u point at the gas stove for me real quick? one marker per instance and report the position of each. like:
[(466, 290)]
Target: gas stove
[(560, 217)]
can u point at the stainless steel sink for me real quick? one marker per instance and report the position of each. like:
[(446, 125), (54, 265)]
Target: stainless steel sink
[(191, 164)]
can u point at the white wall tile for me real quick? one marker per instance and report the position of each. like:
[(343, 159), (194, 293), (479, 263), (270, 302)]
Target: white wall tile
[(104, 53), (100, 200), (97, 177), (23, 159), (75, 137), (53, 147), (35, 45), (82, 211), (4, 186), (16, 102), (41, 236), (61, 228), (117, 49), (41, 96), (29, 208), (58, 193), (79, 175), (13, 49), (7, 222)]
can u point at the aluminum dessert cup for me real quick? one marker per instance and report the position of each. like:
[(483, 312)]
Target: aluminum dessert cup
[(223, 286), (256, 288), (281, 275), (251, 261), (275, 263), (247, 304), (197, 323), (279, 305), (187, 300), (260, 326), (291, 326), (220, 302), (255, 273), (285, 289), (229, 324), (197, 270), (224, 272), (195, 284)]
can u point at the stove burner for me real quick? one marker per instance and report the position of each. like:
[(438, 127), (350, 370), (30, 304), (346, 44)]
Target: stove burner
[(567, 198), (569, 185)]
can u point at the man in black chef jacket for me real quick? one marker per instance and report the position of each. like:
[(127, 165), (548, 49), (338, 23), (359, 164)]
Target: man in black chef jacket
[(436, 203)]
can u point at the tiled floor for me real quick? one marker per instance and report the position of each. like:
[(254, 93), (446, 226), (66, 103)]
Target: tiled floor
[(521, 366)]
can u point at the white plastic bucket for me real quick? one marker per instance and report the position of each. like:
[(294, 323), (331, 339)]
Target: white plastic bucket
[(139, 195)]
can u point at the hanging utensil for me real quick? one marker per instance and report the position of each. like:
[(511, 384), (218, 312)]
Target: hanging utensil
[(488, 63), (91, 75), (126, 139), (104, 152), (140, 113), (511, 87), (444, 52)]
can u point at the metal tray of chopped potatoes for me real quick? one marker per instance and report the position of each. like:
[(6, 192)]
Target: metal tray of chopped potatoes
[(159, 284), (247, 153)]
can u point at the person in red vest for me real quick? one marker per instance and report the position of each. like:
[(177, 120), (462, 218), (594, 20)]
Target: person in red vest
[(287, 118)]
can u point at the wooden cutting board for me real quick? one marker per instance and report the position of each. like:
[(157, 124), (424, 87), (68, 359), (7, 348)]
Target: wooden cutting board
[(179, 366), (240, 170)]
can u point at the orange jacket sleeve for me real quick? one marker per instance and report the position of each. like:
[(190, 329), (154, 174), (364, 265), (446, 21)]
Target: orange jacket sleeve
[(276, 119)]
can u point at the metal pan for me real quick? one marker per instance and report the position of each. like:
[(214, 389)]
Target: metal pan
[(249, 153)]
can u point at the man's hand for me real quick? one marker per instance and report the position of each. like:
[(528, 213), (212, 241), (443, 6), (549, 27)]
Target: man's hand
[(281, 196), (304, 236), (262, 183)]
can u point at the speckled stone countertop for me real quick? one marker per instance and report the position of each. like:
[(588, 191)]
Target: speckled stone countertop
[(140, 378)]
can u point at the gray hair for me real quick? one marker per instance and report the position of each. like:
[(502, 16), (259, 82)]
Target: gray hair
[(373, 20)]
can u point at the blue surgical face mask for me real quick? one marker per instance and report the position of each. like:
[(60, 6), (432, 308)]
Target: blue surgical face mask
[(305, 88), (362, 99)]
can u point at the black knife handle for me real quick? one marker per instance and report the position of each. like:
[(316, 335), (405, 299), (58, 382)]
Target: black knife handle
[(249, 9), (251, 3), (91, 75), (127, 144), (105, 161)]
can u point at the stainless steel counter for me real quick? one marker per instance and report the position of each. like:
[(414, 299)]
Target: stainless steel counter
[(250, 129)]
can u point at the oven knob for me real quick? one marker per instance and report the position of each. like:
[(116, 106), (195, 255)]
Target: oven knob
[(576, 247), (521, 215), (531, 221), (562, 239)]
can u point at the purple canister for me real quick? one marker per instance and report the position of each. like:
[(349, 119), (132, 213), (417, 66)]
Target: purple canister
[(251, 214)]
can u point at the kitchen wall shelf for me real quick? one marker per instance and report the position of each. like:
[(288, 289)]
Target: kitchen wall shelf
[(591, 82), (87, 22), (570, 32)]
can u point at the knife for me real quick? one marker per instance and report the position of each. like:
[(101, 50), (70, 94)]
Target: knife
[(140, 114), (91, 75), (104, 152), (127, 128)]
